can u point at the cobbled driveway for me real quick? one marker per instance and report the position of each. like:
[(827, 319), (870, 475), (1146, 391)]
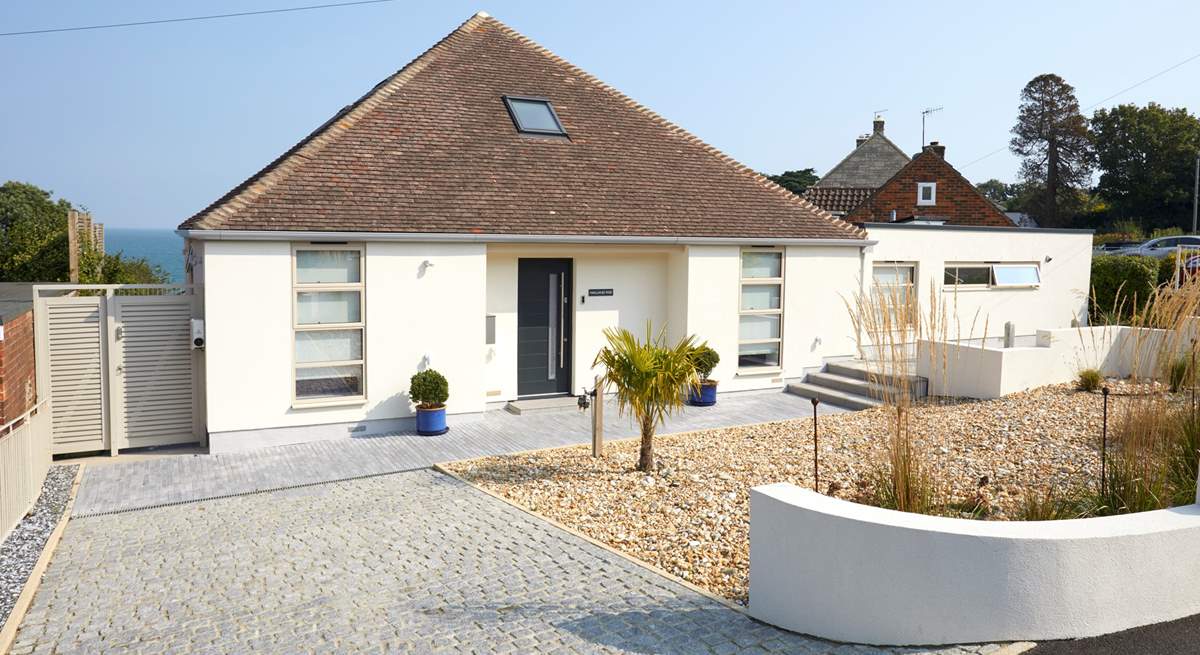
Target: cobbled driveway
[(410, 562)]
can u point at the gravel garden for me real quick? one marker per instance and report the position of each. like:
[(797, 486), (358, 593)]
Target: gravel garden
[(23, 546), (690, 516)]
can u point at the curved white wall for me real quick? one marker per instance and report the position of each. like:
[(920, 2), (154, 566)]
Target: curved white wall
[(850, 572)]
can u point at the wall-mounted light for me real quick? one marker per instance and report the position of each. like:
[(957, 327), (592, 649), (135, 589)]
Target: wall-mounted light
[(1049, 259)]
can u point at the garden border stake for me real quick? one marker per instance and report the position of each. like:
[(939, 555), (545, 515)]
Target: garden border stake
[(1104, 447), (816, 471), (1192, 379)]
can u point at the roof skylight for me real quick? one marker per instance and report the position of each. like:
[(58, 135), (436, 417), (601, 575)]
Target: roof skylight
[(533, 115)]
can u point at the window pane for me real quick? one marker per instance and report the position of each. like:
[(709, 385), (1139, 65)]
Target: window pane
[(1017, 275), (328, 346), (760, 296), (891, 275), (534, 115), (758, 354), (320, 307), (759, 327), (327, 267), (968, 275), (328, 382), (762, 264)]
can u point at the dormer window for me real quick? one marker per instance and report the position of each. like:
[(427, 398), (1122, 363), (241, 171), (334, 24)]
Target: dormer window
[(533, 115), (926, 193)]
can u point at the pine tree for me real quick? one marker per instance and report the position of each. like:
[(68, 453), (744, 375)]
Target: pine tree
[(1052, 138)]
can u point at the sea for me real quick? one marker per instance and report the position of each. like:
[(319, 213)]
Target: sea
[(162, 247)]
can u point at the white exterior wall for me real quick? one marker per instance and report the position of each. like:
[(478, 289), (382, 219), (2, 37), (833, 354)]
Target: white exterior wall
[(414, 318), (816, 322), (640, 284), (1062, 296), (850, 572)]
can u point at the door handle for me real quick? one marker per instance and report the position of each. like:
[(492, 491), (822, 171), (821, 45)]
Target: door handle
[(562, 335)]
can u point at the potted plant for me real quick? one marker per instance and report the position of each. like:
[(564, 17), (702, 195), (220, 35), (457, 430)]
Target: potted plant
[(705, 359), (430, 390)]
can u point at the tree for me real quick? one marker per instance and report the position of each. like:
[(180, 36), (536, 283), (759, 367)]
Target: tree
[(1052, 138), (1147, 158), (33, 244), (796, 181), (33, 235), (650, 379)]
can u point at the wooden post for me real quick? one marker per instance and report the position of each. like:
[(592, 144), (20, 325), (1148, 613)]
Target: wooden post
[(598, 419), (73, 246)]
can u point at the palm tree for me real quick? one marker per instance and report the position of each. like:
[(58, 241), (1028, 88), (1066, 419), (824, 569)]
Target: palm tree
[(650, 379)]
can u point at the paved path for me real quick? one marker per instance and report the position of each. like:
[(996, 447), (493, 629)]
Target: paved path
[(411, 562), (138, 485)]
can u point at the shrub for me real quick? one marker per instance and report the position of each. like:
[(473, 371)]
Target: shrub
[(1050, 506), (1159, 232), (1110, 237), (1179, 375), (1128, 226), (1089, 380), (1120, 284), (705, 359), (429, 389)]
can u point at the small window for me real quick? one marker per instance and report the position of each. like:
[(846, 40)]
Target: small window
[(926, 193), (533, 115), (968, 276), (1016, 275), (895, 302)]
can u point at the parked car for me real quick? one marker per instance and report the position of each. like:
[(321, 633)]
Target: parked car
[(1113, 247), (1161, 247)]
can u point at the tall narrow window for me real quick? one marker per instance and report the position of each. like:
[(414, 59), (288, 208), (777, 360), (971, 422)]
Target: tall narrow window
[(895, 302), (328, 324), (760, 315)]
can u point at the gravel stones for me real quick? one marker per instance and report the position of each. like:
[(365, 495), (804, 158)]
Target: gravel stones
[(23, 546), (691, 518)]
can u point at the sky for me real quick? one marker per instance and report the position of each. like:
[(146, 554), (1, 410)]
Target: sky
[(146, 125)]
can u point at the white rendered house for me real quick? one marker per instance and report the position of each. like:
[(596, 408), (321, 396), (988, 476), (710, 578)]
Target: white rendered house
[(488, 211)]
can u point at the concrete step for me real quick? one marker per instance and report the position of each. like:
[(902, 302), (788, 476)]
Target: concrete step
[(851, 385), (860, 370), (832, 396), (541, 405)]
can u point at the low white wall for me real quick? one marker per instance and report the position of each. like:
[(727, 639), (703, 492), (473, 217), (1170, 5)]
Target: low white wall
[(972, 371), (850, 572)]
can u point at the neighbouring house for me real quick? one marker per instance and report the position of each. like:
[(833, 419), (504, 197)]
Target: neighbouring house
[(928, 189), (490, 209), (874, 160), (17, 369)]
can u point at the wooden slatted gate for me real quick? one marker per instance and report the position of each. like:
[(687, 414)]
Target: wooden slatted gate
[(119, 369)]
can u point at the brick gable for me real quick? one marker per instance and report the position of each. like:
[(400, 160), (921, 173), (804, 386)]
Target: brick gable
[(958, 202)]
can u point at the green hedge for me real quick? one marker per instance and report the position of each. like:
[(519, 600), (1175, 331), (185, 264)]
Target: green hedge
[(1130, 277)]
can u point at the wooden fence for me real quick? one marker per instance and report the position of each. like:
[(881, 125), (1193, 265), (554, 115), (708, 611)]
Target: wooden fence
[(24, 461)]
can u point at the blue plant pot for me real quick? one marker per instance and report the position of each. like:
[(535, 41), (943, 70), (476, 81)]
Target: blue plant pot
[(431, 422), (706, 397)]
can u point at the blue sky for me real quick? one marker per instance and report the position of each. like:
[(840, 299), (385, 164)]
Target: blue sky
[(146, 125)]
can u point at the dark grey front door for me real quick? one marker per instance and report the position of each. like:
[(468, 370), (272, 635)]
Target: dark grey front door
[(543, 326)]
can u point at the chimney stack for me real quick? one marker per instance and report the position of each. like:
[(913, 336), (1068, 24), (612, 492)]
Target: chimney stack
[(862, 138), (878, 125), (937, 148)]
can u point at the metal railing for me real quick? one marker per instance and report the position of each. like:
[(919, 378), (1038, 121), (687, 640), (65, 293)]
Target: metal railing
[(24, 461)]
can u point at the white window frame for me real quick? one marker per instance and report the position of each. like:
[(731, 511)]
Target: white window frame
[(743, 282), (991, 284), (921, 186), (1037, 270), (361, 324), (912, 286)]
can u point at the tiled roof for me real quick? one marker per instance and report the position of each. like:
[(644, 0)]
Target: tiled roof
[(432, 149), (868, 166), (837, 200)]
